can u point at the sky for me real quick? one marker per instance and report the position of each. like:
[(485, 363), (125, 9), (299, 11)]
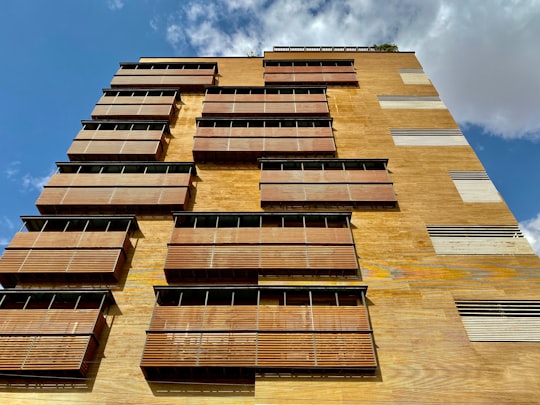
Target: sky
[(482, 56)]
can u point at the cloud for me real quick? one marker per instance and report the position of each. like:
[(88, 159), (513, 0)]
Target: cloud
[(115, 4), (174, 35), (27, 181), (460, 44), (30, 182), (12, 169), (531, 230)]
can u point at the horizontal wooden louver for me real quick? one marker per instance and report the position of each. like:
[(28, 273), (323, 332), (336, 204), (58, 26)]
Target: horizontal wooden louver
[(138, 103), (330, 72), (475, 186), (242, 253), (120, 140), (478, 240), (187, 76), (411, 102), (185, 339), (224, 140), (261, 101), (50, 342), (127, 187), (501, 320), (428, 137), (48, 259), (325, 182)]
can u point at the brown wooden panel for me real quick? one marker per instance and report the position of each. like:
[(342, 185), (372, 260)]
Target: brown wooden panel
[(115, 150), (264, 350), (48, 321), (306, 107), (217, 108), (194, 81), (119, 180), (264, 318), (354, 193), (308, 69), (136, 100), (120, 135), (372, 192), (324, 176), (265, 235), (304, 349), (108, 197), (104, 261), (46, 353), (263, 257), (45, 240), (133, 111), (165, 72), (199, 349)]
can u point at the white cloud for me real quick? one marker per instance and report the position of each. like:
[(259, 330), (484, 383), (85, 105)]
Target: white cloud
[(115, 4), (482, 56), (174, 35), (30, 182), (531, 230), (12, 169)]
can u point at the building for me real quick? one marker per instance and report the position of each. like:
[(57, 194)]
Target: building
[(306, 227)]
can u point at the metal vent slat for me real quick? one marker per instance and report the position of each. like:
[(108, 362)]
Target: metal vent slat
[(472, 175), (503, 231), (425, 132)]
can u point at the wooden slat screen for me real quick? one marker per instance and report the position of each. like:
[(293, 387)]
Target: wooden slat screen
[(141, 188), (330, 72), (104, 140), (259, 337), (325, 184), (501, 320), (248, 140), (81, 200), (29, 265), (136, 103), (188, 76), (50, 341), (261, 101), (224, 252), (133, 111)]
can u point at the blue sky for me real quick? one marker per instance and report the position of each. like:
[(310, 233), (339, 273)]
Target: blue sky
[(57, 55)]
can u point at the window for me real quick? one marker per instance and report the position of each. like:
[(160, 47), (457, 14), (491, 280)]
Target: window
[(202, 331), (348, 182)]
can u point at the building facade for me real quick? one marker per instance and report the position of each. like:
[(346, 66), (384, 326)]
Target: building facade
[(310, 226)]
